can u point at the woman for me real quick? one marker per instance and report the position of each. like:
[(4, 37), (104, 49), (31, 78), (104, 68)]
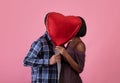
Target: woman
[(73, 57)]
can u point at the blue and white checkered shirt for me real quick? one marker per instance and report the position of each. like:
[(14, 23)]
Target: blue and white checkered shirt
[(38, 58)]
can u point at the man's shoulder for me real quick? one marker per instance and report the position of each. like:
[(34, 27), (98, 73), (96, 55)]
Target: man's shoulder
[(42, 39), (38, 41)]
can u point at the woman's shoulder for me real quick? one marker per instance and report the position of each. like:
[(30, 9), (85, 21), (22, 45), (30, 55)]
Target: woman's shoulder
[(80, 47)]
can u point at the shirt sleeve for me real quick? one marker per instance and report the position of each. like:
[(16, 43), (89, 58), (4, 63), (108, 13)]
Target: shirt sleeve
[(32, 56)]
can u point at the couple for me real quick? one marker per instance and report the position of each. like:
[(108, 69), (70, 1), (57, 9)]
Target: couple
[(43, 60)]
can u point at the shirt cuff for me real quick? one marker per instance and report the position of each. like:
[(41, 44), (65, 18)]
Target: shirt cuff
[(46, 62)]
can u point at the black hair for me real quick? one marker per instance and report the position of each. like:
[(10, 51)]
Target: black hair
[(82, 31)]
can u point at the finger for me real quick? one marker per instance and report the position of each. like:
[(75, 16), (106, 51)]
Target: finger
[(57, 56), (58, 47), (57, 60)]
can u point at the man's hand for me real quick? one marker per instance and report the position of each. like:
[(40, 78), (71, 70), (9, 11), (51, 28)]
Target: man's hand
[(54, 59)]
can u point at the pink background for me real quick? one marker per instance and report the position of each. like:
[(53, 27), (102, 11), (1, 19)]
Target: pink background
[(22, 21)]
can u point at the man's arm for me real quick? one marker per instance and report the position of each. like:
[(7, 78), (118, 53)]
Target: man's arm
[(32, 56)]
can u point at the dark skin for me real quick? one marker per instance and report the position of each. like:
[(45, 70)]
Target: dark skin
[(79, 46)]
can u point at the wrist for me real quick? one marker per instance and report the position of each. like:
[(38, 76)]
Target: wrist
[(65, 53)]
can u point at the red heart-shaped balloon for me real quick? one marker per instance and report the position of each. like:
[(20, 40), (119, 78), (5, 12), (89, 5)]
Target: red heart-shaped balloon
[(62, 28)]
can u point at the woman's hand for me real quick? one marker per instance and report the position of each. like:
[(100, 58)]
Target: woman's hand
[(61, 50)]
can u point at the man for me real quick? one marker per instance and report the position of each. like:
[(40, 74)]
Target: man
[(42, 60)]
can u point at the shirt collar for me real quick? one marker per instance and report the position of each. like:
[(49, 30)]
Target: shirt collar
[(46, 33)]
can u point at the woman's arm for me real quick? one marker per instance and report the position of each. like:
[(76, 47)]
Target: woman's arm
[(71, 61)]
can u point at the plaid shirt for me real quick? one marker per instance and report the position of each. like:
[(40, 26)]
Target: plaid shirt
[(38, 58)]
